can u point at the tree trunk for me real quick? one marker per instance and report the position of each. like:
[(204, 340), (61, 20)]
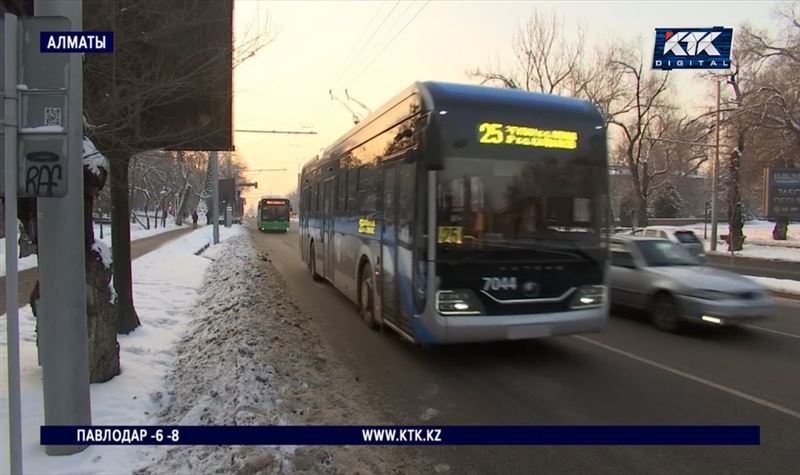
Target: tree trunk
[(147, 213), (640, 212), (781, 229), (26, 212), (103, 345), (735, 206), (126, 318)]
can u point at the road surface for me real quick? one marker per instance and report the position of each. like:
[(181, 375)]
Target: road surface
[(630, 374), (139, 247), (757, 267)]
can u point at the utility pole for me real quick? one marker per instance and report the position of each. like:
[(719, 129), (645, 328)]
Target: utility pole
[(715, 176), (214, 195), (62, 325), (12, 284)]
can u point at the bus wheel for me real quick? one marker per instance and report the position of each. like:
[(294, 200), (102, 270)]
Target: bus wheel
[(366, 300), (312, 263)]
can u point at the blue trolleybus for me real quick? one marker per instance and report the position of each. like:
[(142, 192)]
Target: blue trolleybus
[(460, 213)]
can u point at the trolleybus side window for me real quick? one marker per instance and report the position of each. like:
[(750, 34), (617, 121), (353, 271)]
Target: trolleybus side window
[(367, 194), (352, 184), (406, 200), (341, 190)]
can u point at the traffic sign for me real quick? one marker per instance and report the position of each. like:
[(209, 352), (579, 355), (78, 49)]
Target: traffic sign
[(42, 98)]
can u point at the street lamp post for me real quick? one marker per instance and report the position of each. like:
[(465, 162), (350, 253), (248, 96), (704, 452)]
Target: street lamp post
[(715, 176)]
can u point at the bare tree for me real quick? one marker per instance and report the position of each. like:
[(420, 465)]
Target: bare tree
[(129, 94), (642, 127), (774, 104), (547, 60)]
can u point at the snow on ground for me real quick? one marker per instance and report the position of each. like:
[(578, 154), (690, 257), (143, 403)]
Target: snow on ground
[(166, 283), (137, 232), (254, 358), (759, 243), (786, 286), (757, 231), (758, 252)]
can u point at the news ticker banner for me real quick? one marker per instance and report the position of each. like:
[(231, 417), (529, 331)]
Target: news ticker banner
[(400, 435)]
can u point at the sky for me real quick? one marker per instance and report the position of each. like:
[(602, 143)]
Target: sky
[(374, 49)]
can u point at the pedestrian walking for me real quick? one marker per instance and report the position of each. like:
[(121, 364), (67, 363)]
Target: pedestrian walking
[(194, 219)]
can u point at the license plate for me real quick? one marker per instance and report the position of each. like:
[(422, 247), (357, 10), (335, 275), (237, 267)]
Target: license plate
[(519, 332)]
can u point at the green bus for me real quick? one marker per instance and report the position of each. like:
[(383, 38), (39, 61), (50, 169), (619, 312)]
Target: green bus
[(273, 214)]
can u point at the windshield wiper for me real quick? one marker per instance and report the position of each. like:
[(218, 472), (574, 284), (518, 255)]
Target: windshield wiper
[(573, 249)]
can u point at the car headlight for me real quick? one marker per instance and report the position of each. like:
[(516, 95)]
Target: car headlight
[(458, 302), (705, 294), (589, 296)]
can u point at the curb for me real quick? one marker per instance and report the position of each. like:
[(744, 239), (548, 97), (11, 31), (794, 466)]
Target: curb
[(784, 295)]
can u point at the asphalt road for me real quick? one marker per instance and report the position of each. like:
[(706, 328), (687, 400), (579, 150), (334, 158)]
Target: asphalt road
[(757, 267), (630, 374), (139, 247)]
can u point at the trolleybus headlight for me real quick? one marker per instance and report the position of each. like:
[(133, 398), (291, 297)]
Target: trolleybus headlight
[(458, 302), (589, 296)]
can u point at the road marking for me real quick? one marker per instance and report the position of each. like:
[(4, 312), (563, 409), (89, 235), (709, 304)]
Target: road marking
[(697, 379), (770, 330)]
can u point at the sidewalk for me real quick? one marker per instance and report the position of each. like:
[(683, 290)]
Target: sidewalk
[(165, 284), (137, 233)]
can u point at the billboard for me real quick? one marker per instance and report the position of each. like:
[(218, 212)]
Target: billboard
[(167, 84), (782, 190)]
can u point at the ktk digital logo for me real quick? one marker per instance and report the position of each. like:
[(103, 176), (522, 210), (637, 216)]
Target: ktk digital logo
[(693, 48)]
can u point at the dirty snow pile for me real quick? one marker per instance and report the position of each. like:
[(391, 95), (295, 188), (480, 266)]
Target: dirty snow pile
[(253, 358), (165, 285)]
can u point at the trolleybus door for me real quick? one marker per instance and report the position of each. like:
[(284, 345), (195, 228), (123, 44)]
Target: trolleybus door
[(327, 228), (389, 242)]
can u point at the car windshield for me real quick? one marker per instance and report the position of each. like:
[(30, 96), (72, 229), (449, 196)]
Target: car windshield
[(662, 253)]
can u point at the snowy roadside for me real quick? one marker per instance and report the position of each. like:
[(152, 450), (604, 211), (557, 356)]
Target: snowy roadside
[(137, 232), (781, 286), (759, 243), (166, 285), (757, 251), (254, 358)]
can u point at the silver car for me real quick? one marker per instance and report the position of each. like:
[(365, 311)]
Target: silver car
[(659, 276)]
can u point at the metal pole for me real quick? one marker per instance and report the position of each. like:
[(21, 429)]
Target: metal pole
[(715, 177), (62, 321), (12, 312), (214, 195)]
